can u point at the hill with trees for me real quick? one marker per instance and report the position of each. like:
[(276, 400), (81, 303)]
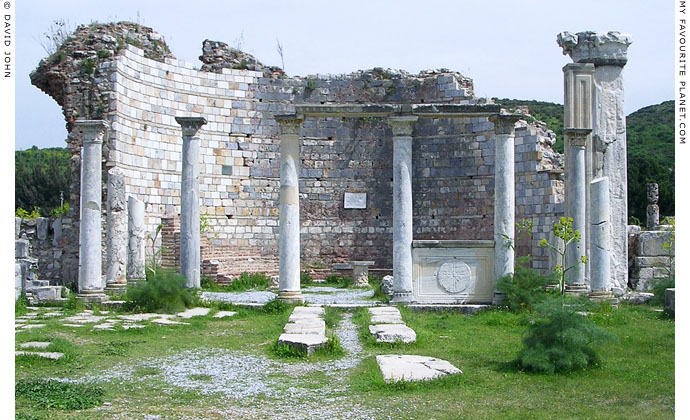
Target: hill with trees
[(40, 176)]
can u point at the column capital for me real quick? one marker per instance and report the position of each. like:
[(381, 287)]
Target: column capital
[(505, 123), (577, 136), (289, 123), (402, 125), (190, 125), (91, 130), (601, 49)]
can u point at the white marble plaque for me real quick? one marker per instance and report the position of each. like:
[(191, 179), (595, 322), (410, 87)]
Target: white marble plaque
[(355, 200), (455, 277)]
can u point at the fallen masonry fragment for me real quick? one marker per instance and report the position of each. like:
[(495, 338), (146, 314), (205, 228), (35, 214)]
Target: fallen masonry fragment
[(413, 368)]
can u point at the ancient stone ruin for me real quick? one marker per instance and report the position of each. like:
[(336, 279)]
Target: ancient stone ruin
[(247, 169)]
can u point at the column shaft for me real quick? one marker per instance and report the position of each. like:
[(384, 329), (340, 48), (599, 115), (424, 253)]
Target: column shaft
[(601, 236), (289, 223), (402, 207), (91, 285), (576, 188), (116, 232), (190, 220), (136, 252)]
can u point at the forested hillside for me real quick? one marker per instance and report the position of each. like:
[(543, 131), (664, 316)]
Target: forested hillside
[(40, 176), (651, 153)]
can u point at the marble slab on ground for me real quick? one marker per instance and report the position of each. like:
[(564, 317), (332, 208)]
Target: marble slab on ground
[(189, 313), (45, 355), (413, 368), (306, 326), (387, 319), (224, 314), (391, 333), (383, 310), (32, 326), (166, 321), (35, 344), (307, 343)]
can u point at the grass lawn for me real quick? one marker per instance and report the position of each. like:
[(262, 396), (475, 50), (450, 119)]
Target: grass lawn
[(225, 368)]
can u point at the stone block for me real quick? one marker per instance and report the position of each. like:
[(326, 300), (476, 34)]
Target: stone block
[(307, 343), (17, 227), (35, 345), (650, 243), (391, 333), (189, 313), (17, 281), (47, 293), (317, 326), (45, 355), (670, 301), (42, 228), (413, 368), (21, 248), (641, 262)]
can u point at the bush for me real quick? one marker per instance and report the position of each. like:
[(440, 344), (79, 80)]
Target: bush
[(163, 291), (659, 289), (62, 395), (525, 288), (560, 340)]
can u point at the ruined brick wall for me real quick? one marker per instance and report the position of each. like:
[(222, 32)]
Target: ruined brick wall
[(239, 182)]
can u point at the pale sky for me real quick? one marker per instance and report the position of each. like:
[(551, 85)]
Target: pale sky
[(508, 47)]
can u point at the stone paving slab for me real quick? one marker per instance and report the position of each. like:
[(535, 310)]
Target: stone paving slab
[(224, 314), (384, 310), (391, 333), (317, 326), (308, 343), (387, 319), (72, 325), (52, 314), (189, 313), (85, 318), (131, 326), (166, 321), (45, 355), (35, 344), (108, 326), (413, 368), (31, 326)]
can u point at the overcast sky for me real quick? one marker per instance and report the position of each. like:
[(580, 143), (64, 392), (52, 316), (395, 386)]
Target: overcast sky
[(508, 47)]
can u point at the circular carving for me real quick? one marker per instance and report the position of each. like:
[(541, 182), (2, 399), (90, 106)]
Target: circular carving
[(455, 276)]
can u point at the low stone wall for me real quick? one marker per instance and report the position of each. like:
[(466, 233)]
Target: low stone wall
[(54, 243), (652, 258)]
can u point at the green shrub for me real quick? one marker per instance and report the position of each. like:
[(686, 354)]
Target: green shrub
[(305, 279), (275, 307), (332, 348), (525, 288), (659, 289), (62, 395), (35, 213), (163, 291), (337, 281), (560, 340), (332, 317)]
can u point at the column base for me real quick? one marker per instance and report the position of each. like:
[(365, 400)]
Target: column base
[(576, 289), (603, 296), (116, 288), (92, 296), (134, 282), (498, 298), (290, 297), (401, 297)]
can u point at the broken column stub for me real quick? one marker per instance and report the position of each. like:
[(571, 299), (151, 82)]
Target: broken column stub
[(608, 53), (136, 251), (91, 285), (190, 217), (116, 232), (289, 222), (504, 198), (601, 240), (402, 206), (653, 206)]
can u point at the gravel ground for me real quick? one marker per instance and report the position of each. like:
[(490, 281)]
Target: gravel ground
[(259, 387)]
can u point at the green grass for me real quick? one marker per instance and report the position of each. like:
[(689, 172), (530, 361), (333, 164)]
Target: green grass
[(246, 281), (635, 379)]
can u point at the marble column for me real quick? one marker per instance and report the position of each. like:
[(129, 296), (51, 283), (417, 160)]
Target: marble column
[(190, 218), (116, 232), (402, 207), (289, 224), (600, 260), (608, 53), (136, 250), (91, 287), (576, 141), (504, 198)]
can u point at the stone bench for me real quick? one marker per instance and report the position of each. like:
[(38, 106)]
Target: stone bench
[(360, 271)]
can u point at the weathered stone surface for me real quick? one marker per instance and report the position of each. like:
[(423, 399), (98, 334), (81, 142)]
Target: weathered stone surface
[(189, 313), (384, 310), (17, 281), (670, 301), (136, 251), (307, 343), (317, 326), (45, 355), (224, 314), (21, 248), (42, 228), (387, 285), (413, 368), (17, 227), (600, 234), (637, 298), (391, 333), (650, 243), (360, 272), (116, 231), (387, 319), (166, 321), (35, 345)]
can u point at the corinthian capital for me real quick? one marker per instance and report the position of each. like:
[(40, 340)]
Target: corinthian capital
[(190, 125), (601, 49)]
